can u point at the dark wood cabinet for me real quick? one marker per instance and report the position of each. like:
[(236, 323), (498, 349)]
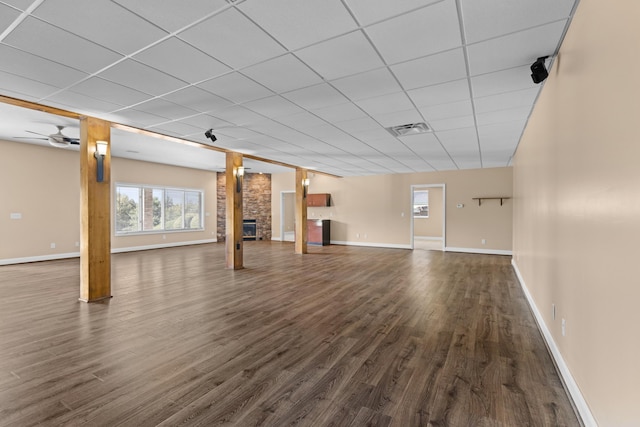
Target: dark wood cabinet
[(318, 232), (318, 199)]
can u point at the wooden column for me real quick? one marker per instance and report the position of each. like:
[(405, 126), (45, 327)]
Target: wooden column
[(233, 238), (95, 212), (301, 212)]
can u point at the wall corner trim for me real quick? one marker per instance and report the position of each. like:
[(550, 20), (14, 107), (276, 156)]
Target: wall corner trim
[(572, 387)]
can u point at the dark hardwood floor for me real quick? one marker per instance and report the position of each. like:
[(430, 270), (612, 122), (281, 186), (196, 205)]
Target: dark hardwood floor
[(343, 336)]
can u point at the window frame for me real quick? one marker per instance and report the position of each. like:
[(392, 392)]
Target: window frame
[(163, 230), (413, 203)]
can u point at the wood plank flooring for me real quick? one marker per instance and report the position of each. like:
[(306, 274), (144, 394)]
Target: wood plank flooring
[(342, 336)]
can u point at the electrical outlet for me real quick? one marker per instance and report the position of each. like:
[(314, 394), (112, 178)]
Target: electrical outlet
[(564, 328), (484, 241), (365, 235), (77, 244), (164, 237), (53, 246), (357, 235)]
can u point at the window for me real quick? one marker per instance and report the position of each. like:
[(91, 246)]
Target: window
[(141, 209), (421, 203)]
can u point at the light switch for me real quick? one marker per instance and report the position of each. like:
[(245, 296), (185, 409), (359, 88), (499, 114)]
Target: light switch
[(15, 215)]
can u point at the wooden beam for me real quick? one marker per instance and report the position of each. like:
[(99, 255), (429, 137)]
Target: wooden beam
[(95, 208), (301, 212), (233, 231), (39, 107)]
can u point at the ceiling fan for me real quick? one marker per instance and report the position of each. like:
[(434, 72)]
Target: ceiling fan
[(56, 139)]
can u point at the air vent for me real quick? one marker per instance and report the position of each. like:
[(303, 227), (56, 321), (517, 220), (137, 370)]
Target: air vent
[(410, 129)]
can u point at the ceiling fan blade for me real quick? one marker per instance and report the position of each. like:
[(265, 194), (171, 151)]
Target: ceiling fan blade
[(36, 133), (29, 137), (74, 141)]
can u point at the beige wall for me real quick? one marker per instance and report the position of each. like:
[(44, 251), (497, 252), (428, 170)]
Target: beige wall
[(431, 226), (43, 185), (577, 207), (376, 210)]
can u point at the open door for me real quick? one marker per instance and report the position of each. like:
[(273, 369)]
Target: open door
[(428, 217)]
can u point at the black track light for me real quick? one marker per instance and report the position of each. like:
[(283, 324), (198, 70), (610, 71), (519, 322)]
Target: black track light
[(209, 134), (538, 71)]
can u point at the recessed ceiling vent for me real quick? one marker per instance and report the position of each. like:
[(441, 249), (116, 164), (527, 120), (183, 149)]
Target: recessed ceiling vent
[(410, 129)]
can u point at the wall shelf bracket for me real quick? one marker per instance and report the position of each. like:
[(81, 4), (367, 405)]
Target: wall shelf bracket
[(480, 199)]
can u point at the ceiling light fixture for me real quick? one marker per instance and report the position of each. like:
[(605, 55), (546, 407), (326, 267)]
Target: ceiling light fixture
[(409, 129), (209, 134), (538, 71)]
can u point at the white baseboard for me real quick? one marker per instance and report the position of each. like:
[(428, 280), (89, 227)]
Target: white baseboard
[(9, 261), (52, 257), (479, 251), (371, 244), (277, 239), (427, 238), (161, 246), (571, 385)]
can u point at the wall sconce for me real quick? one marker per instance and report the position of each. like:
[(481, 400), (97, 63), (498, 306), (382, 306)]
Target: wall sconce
[(305, 187), (101, 151), (239, 175)]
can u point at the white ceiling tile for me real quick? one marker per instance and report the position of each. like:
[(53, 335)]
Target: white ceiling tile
[(141, 77), (447, 111), (171, 15), (460, 142), (337, 113), (369, 11), (109, 91), (452, 123), (357, 125), (497, 135), (301, 121), (236, 87), (47, 41), (97, 23), (501, 101), (513, 50), (444, 93), (386, 104), (399, 118), (300, 23), (431, 70), (467, 162), (502, 81), (317, 96), (7, 16), (274, 106), (181, 60), (238, 115), (342, 56), (198, 99), (24, 87), (423, 32), (163, 108), (237, 133), (23, 64), (233, 39), (82, 103), (19, 4), (270, 74), (137, 118), (368, 84), (175, 129), (491, 18), (502, 116), (205, 121)]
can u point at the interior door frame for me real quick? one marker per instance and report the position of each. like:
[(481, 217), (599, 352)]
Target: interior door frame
[(444, 211), (282, 210)]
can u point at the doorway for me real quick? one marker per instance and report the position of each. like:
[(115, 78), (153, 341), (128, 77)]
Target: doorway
[(428, 219), (288, 216)]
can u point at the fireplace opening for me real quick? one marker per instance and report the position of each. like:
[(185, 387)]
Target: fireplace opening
[(249, 229)]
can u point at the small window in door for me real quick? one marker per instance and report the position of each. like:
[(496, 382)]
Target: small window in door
[(421, 203)]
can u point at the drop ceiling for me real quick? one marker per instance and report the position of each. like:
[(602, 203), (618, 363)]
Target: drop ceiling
[(310, 83)]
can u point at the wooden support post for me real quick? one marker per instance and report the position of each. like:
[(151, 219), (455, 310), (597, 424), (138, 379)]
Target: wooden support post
[(95, 211), (233, 238), (301, 212)]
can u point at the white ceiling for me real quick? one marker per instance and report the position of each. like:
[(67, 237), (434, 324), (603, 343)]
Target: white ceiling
[(311, 83)]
